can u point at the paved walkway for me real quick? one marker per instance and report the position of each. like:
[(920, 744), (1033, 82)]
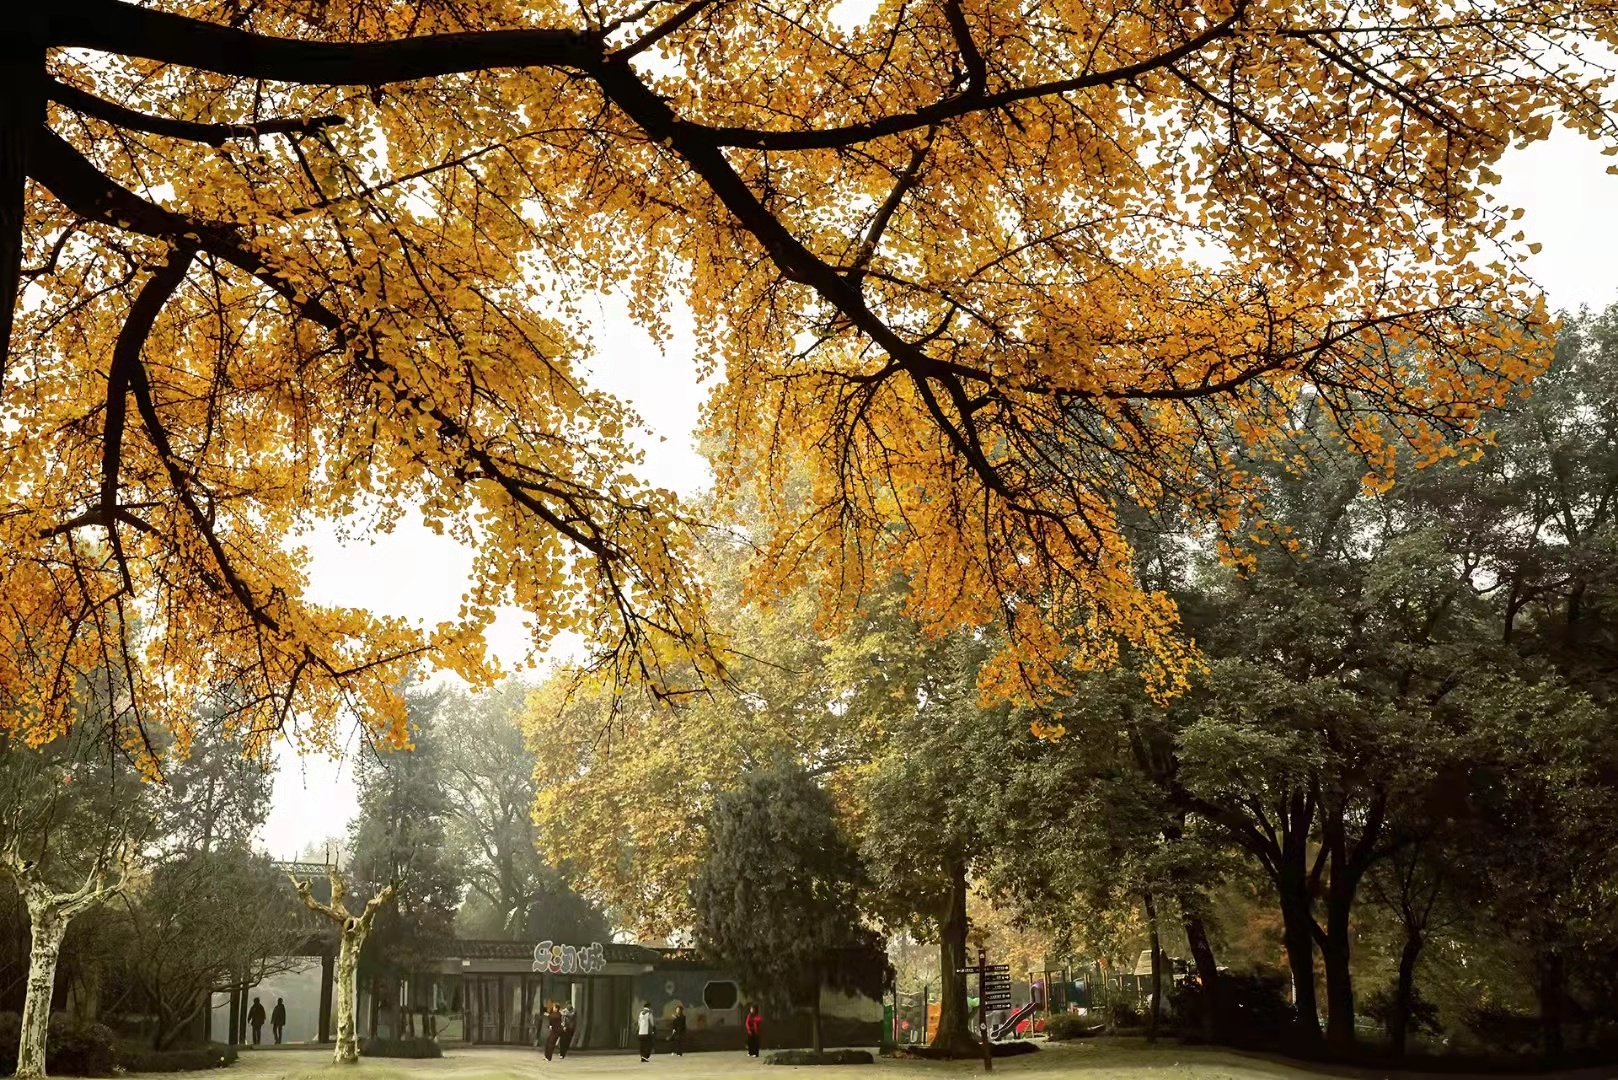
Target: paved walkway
[(1089, 1060)]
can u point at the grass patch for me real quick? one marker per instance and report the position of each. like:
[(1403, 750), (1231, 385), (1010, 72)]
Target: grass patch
[(140, 1059), (999, 1050)]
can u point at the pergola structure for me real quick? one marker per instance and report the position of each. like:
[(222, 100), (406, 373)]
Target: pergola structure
[(316, 943)]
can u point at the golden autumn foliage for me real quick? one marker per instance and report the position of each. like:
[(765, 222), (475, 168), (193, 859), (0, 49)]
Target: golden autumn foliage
[(625, 782), (983, 274)]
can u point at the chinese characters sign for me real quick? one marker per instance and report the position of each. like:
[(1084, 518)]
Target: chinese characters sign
[(570, 959)]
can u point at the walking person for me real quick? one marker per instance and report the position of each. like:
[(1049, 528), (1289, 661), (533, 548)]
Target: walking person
[(647, 1029), (278, 1020), (570, 1024), (554, 1033), (677, 1031), (255, 1019), (754, 1023)]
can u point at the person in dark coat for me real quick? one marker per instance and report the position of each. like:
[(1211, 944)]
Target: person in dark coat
[(554, 1034), (255, 1019), (278, 1020), (677, 1031), (570, 1024), (754, 1023)]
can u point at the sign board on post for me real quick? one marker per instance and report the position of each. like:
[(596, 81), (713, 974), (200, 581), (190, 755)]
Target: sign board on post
[(983, 1012)]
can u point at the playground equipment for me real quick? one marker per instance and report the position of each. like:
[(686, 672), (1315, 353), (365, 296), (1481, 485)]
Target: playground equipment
[(1010, 1024)]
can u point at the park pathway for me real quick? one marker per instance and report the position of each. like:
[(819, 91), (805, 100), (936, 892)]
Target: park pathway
[(1091, 1060)]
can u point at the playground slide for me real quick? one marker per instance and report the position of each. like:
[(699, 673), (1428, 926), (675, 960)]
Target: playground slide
[(1002, 1030)]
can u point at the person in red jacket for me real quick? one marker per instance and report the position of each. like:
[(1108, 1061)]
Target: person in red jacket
[(754, 1023)]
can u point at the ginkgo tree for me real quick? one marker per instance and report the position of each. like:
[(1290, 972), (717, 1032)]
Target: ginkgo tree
[(985, 273)]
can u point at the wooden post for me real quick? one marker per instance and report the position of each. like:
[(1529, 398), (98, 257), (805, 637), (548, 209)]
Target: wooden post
[(983, 1012)]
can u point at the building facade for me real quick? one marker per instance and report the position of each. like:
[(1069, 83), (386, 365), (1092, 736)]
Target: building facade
[(495, 993)]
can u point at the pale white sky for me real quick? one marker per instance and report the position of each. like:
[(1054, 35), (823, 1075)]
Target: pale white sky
[(1570, 206), (419, 574)]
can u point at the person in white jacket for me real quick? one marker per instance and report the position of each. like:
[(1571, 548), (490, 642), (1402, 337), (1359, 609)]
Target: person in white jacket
[(647, 1029)]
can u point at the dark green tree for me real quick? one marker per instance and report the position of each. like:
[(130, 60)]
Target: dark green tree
[(206, 923), (218, 794), (401, 837), (777, 898), (489, 779), (928, 827), (74, 820)]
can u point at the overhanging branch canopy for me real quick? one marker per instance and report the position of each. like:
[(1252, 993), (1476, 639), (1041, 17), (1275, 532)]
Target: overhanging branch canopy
[(981, 278)]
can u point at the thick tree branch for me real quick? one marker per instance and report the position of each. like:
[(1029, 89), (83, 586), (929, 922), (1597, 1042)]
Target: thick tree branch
[(126, 354), (977, 71), (146, 405), (93, 195), (22, 110), (950, 108), (663, 29), (212, 134), (116, 27), (890, 205)]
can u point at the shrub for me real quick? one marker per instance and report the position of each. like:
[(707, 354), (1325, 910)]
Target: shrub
[(1071, 1026), (79, 1048), (1124, 1014), (73, 1047), (1504, 1031), (1253, 1009), (809, 1057), (401, 1048), (142, 1059), (1378, 1006)]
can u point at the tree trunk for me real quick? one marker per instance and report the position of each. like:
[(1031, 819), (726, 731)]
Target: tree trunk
[(1404, 994), (235, 1031), (352, 933), (954, 1026), (47, 928), (1156, 1015), (1298, 936), (1339, 993), (87, 991), (1334, 955), (348, 956), (1552, 993), (816, 1039), (1196, 935), (1335, 943)]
